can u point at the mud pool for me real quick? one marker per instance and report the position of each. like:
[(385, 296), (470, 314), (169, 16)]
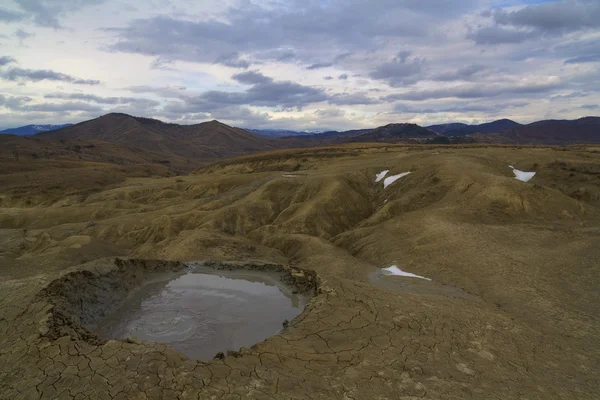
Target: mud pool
[(202, 313)]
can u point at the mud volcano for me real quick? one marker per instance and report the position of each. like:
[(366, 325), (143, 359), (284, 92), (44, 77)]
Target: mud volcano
[(199, 309)]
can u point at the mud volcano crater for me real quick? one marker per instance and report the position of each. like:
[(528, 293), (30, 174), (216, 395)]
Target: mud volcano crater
[(200, 309)]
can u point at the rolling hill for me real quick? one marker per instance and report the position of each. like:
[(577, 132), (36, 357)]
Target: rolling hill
[(560, 132), (199, 144)]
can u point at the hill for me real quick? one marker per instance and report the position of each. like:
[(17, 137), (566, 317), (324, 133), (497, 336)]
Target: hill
[(489, 127), (199, 143), (29, 130), (443, 128), (560, 132), (392, 133)]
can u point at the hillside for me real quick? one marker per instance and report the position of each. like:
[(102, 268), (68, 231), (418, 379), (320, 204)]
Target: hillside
[(443, 128), (200, 143), (562, 132), (490, 127), (392, 133)]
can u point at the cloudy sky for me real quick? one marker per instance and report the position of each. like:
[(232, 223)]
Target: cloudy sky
[(299, 64)]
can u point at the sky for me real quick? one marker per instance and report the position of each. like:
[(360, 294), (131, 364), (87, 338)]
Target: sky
[(299, 64)]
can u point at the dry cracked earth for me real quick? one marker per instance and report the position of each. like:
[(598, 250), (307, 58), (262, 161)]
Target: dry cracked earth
[(511, 310)]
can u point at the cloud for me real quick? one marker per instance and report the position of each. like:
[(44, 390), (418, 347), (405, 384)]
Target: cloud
[(47, 13), (558, 16), (590, 106), (584, 59), (251, 78), (22, 35), (11, 16), (232, 60), (461, 74), (5, 60), (63, 107), (14, 102), (494, 108), (320, 65), (169, 92), (403, 69), (103, 100), (36, 75), (328, 78), (343, 77), (499, 35), (475, 91), (352, 99), (255, 30)]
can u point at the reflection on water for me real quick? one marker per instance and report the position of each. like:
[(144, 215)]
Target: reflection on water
[(201, 314)]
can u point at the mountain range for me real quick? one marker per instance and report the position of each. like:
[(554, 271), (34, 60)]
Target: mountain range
[(124, 139), (29, 130)]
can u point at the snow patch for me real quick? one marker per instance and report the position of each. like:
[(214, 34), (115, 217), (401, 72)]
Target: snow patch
[(381, 175), (522, 176), (391, 179), (394, 270), (290, 176)]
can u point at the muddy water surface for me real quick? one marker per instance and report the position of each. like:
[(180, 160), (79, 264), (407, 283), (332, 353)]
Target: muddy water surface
[(201, 314)]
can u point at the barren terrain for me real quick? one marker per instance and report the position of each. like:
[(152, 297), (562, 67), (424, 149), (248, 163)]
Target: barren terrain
[(511, 311)]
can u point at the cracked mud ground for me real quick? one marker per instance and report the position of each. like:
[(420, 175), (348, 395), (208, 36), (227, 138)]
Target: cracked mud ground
[(524, 254)]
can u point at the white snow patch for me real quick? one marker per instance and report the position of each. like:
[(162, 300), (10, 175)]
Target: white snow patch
[(522, 176), (290, 176), (391, 179), (381, 175), (394, 270)]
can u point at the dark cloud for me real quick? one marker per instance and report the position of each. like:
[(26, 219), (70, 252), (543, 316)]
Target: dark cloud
[(320, 65), (251, 78), (254, 30), (47, 13), (103, 100), (22, 35), (403, 69), (499, 35), (264, 92), (584, 59), (475, 91), (14, 102), (558, 16), (590, 106), (36, 75), (343, 77), (232, 60), (328, 78), (11, 16), (4, 60), (330, 113)]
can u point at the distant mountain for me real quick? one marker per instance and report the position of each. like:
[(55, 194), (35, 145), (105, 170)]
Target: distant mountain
[(560, 132), (490, 127), (278, 133), (443, 128), (393, 133), (172, 143), (29, 130)]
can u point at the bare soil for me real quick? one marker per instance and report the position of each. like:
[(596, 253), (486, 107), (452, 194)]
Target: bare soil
[(512, 310)]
